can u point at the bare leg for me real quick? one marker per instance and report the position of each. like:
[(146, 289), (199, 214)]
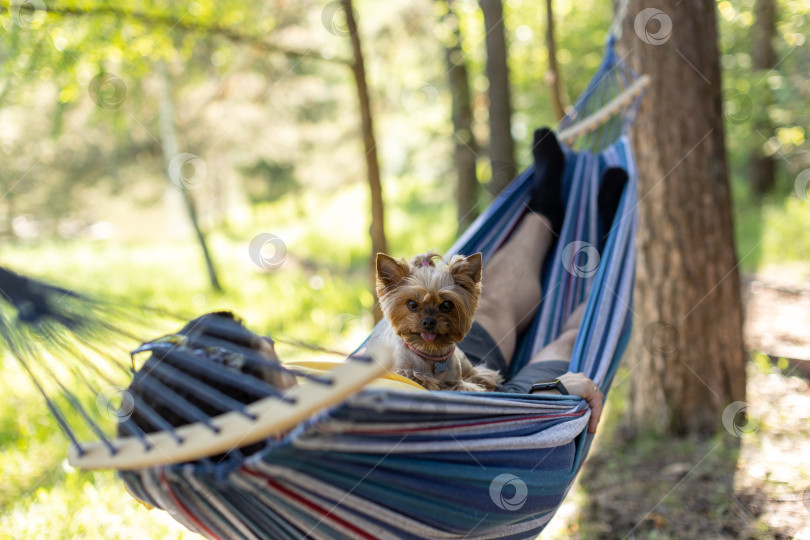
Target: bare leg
[(563, 347), (576, 383), (511, 283)]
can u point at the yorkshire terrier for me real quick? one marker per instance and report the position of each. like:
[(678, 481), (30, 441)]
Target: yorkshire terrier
[(430, 308)]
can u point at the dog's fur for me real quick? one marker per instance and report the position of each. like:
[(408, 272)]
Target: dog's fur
[(430, 308)]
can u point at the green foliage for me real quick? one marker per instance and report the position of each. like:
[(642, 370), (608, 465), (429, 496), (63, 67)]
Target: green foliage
[(269, 181), (779, 95)]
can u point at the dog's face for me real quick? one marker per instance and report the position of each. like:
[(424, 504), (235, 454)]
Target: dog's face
[(430, 307)]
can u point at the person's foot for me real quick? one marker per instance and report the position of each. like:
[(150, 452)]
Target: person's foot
[(549, 162), (610, 193)]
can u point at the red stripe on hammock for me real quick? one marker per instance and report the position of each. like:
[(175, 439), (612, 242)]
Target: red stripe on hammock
[(185, 511), (311, 505)]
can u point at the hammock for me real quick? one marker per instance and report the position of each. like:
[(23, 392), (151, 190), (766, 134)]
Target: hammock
[(398, 464)]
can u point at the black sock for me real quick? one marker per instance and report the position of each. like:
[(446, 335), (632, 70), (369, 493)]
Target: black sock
[(549, 163), (613, 182)]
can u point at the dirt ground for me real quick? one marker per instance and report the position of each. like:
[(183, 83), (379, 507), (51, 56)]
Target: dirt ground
[(750, 481)]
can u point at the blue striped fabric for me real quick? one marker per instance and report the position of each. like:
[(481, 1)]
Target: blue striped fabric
[(391, 464)]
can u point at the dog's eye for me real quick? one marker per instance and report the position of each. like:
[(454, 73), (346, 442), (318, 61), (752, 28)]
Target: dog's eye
[(446, 306), (412, 305)]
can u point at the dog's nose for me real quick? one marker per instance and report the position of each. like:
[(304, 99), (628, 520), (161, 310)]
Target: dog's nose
[(428, 323)]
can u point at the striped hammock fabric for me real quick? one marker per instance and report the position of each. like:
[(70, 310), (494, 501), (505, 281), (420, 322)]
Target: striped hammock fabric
[(390, 464)]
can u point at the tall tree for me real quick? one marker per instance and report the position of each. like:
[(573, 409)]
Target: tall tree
[(378, 242), (501, 145), (763, 167), (553, 75), (466, 148), (688, 356)]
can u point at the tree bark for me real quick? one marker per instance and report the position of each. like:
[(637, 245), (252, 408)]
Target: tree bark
[(170, 150), (553, 77), (688, 360), (763, 167), (466, 149), (501, 145), (378, 241)]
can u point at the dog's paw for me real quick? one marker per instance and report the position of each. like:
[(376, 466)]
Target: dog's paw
[(468, 386), (487, 379), (427, 382)]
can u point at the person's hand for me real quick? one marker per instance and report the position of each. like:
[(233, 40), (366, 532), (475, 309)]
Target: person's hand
[(578, 384)]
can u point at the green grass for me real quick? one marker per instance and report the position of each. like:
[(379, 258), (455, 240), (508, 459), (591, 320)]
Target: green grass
[(775, 233)]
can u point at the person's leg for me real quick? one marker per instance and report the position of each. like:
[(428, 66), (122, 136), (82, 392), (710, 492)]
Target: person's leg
[(510, 290), (511, 279), (551, 361), (563, 347), (548, 358)]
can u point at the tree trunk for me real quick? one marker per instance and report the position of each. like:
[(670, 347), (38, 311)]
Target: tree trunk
[(466, 149), (378, 242), (501, 145), (688, 361), (170, 151), (553, 76), (763, 167)]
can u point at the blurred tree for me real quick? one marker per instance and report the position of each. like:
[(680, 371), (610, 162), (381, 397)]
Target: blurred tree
[(378, 242), (688, 340), (501, 145), (772, 97), (554, 77), (763, 174), (466, 147), (268, 180), (177, 176)]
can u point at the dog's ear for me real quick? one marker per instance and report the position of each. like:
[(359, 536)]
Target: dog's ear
[(466, 271), (390, 271)]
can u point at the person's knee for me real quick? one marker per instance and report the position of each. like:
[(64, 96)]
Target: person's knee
[(560, 349), (568, 334)]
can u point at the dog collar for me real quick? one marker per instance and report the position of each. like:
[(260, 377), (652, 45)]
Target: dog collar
[(429, 357)]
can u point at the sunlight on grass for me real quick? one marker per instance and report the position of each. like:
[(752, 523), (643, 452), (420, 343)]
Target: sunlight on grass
[(787, 232), (86, 505), (775, 233)]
